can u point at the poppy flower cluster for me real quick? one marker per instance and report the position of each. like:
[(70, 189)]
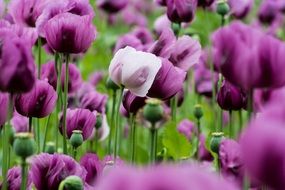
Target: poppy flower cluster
[(142, 95)]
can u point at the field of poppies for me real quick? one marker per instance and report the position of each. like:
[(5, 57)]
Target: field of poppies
[(142, 94)]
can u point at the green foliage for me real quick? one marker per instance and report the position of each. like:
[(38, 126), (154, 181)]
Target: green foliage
[(177, 144)]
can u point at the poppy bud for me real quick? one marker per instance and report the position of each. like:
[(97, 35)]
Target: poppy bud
[(71, 183), (76, 138), (24, 145), (223, 8), (153, 111), (231, 97), (198, 111), (98, 124), (50, 148), (216, 141)]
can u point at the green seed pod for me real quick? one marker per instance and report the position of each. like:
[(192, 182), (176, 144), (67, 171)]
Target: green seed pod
[(198, 111), (50, 148), (223, 8), (71, 183), (98, 121), (24, 145), (216, 141), (153, 111), (111, 85), (76, 138)]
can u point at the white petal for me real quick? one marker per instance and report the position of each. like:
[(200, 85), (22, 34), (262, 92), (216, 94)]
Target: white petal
[(117, 62), (134, 62)]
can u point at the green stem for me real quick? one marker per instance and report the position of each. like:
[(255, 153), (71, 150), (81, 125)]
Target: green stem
[(215, 128), (245, 183), (198, 136), (173, 103), (231, 124), (221, 110), (30, 124), (65, 104), (117, 125), (4, 156), (39, 57), (74, 153), (58, 91), (96, 140), (6, 146), (249, 104), (153, 143), (46, 132), (38, 134), (112, 121), (23, 175), (223, 20), (240, 120), (133, 139)]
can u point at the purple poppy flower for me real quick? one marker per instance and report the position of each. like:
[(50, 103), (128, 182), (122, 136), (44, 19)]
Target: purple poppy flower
[(187, 128), (231, 161), (14, 179), (249, 50), (263, 148), (4, 104), (128, 40), (203, 79), (132, 17), (118, 178), (186, 53), (181, 11), (85, 88), (93, 166), (164, 45), (112, 6), (20, 123), (48, 73), (143, 34), (132, 103), (263, 97), (26, 12), (77, 7), (94, 101), (240, 8), (39, 102), (17, 68), (27, 34), (230, 97), (70, 33), (48, 170), (161, 23), (79, 119), (268, 11), (96, 77), (163, 86)]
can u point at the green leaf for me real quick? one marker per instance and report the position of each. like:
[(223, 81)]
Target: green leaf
[(177, 144)]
